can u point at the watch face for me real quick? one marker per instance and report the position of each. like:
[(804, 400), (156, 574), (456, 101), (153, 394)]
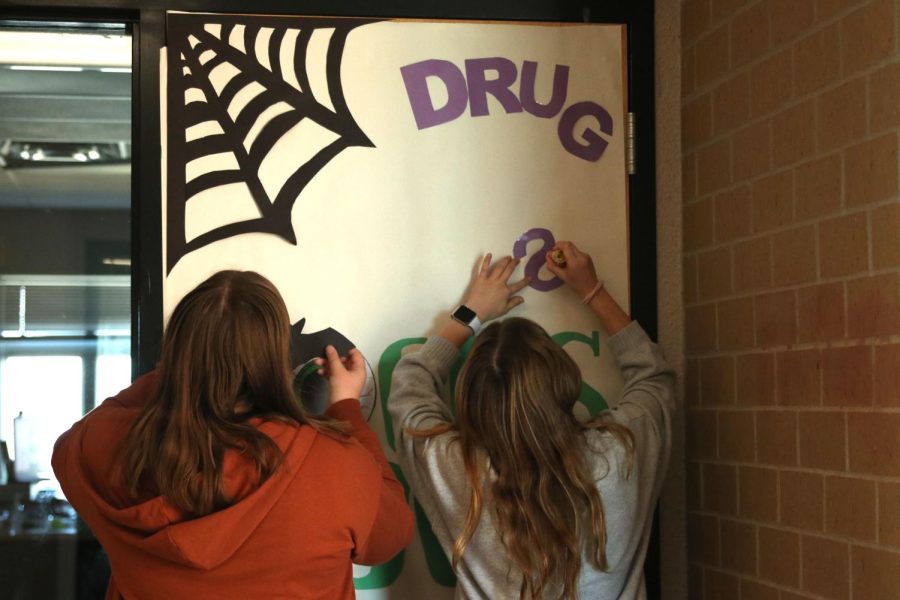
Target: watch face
[(464, 314)]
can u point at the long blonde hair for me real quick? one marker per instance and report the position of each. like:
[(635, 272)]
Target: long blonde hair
[(227, 342), (514, 400)]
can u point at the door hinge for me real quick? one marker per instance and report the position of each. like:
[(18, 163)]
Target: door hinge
[(630, 165)]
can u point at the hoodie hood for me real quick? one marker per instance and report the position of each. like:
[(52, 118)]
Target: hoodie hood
[(85, 462)]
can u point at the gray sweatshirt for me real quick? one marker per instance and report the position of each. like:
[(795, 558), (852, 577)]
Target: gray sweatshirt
[(434, 469)]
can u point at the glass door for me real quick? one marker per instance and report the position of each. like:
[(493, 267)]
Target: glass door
[(65, 276)]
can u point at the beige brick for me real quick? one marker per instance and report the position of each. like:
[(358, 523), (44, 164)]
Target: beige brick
[(736, 328), (874, 443), (876, 573), (789, 19), (847, 376), (703, 539), (823, 440), (689, 177), (886, 236), (844, 245), (829, 8), (826, 567), (794, 256), (753, 264), (884, 88), (776, 319), (779, 556), (714, 167), (731, 103), (734, 214), (752, 150), (873, 306), (817, 60), (786, 595), (720, 585), (753, 590), (695, 19), (822, 312), (712, 53), (688, 71), (889, 513), (868, 35), (802, 500), (850, 507), (722, 9), (700, 328), (793, 134), (749, 34), (702, 430), (692, 382), (698, 224), (720, 489), (798, 378), (773, 201), (776, 437), (717, 381), (837, 123), (755, 379), (819, 187), (737, 438), (694, 485), (714, 273), (696, 121), (758, 494), (870, 170), (887, 375), (695, 582), (771, 83), (738, 546), (689, 273)]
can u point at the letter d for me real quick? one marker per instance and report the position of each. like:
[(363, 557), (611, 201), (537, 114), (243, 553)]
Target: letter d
[(415, 78)]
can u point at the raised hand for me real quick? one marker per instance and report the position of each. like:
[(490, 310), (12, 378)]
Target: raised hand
[(346, 375), (578, 272), (490, 294)]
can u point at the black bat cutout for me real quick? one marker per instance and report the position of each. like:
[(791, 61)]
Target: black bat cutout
[(310, 387)]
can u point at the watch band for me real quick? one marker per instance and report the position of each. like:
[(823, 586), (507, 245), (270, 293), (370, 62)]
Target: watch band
[(467, 317)]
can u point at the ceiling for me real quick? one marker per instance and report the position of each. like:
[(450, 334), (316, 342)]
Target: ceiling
[(90, 105)]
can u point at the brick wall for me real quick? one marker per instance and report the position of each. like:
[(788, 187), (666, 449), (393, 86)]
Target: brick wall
[(790, 122)]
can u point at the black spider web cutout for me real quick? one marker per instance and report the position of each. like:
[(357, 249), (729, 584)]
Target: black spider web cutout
[(188, 40)]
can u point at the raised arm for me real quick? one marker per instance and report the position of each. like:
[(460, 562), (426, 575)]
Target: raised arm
[(420, 377), (649, 381), (576, 269)]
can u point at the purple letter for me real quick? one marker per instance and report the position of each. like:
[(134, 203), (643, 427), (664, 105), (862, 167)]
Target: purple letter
[(480, 86), (558, 94), (414, 77), (595, 145), (537, 260)]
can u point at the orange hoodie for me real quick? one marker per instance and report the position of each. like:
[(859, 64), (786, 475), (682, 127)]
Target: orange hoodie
[(294, 536)]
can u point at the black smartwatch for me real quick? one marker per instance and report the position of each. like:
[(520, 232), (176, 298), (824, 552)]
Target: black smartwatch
[(467, 317)]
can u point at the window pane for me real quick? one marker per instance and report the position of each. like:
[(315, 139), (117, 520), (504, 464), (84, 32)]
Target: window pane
[(113, 375), (47, 392), (65, 280)]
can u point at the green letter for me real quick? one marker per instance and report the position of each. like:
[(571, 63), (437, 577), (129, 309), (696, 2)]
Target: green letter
[(590, 397)]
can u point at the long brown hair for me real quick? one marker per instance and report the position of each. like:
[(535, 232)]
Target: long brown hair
[(514, 400), (225, 359)]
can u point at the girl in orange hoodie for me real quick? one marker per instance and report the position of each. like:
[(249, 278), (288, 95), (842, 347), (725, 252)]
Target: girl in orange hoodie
[(207, 479)]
